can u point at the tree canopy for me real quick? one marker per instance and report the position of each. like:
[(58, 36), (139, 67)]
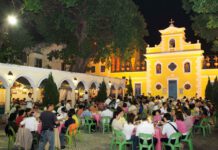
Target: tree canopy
[(204, 14), (91, 30)]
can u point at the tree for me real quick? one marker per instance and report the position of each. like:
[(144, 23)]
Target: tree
[(209, 90), (102, 93), (129, 87), (90, 29), (205, 21), (13, 39), (51, 94), (215, 92)]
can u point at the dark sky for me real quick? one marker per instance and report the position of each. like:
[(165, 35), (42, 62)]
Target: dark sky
[(157, 14)]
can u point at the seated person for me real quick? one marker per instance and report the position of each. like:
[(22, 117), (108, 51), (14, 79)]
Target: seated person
[(188, 119), (129, 129), (118, 120), (168, 129), (181, 124), (157, 116), (72, 111), (107, 113), (70, 122), (146, 127), (86, 113)]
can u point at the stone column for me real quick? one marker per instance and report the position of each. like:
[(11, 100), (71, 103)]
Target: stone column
[(35, 94), (73, 98), (7, 99)]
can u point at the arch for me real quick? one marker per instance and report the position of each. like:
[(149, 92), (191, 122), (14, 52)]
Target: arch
[(93, 85), (84, 84), (68, 81), (172, 43), (158, 68), (80, 85), (41, 82), (30, 80), (4, 82)]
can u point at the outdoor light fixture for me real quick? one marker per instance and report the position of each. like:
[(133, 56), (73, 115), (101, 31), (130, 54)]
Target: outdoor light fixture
[(12, 20), (10, 73), (10, 76), (75, 81), (109, 83)]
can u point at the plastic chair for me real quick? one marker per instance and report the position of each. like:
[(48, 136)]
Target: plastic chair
[(105, 123), (11, 138), (202, 126), (120, 140), (145, 138), (208, 126), (188, 139), (70, 137), (89, 122), (177, 144)]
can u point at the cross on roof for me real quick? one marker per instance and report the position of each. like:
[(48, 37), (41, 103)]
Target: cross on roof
[(171, 22)]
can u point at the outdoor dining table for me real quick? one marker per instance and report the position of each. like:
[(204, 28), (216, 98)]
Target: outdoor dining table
[(158, 135), (97, 117)]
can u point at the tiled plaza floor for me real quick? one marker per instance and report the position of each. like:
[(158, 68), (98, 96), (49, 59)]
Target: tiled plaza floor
[(99, 141)]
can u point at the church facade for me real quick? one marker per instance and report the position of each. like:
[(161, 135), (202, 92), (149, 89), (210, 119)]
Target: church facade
[(173, 68)]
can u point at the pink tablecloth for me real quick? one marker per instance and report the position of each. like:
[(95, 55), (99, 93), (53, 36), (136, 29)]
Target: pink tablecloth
[(158, 135), (97, 117)]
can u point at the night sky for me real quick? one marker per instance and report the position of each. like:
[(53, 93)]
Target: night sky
[(157, 14)]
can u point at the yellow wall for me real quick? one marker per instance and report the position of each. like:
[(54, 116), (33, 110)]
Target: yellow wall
[(164, 55)]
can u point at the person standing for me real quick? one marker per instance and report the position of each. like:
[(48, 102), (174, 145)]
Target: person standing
[(49, 120), (29, 101)]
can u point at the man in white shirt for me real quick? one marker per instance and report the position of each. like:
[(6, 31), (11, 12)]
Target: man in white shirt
[(68, 105), (30, 123), (163, 109), (145, 127), (169, 128), (29, 101), (107, 113)]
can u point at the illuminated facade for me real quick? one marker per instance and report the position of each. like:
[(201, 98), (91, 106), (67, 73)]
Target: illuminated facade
[(173, 68)]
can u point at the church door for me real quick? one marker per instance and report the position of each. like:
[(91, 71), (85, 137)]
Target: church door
[(172, 88)]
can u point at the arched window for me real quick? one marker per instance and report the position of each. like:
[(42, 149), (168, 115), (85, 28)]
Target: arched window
[(172, 43), (187, 67), (158, 69)]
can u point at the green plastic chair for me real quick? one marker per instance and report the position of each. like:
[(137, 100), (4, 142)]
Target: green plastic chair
[(208, 126), (105, 124), (202, 126), (177, 144), (89, 122), (118, 138), (145, 138), (11, 138), (188, 139)]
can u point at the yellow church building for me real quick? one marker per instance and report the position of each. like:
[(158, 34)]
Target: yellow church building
[(173, 68)]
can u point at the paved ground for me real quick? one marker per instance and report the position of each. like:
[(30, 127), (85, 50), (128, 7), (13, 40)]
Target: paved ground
[(99, 141)]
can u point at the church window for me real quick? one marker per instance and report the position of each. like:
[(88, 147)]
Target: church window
[(172, 43), (187, 86), (158, 86), (158, 69), (187, 67)]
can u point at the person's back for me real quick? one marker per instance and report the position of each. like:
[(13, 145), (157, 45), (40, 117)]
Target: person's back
[(107, 113), (30, 123), (48, 120)]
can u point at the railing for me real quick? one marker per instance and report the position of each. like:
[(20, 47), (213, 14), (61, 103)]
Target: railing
[(128, 67)]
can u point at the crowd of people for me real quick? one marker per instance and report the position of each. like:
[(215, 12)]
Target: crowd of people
[(130, 115)]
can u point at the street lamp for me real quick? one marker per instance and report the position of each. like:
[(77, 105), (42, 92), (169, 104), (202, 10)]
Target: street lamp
[(12, 20)]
